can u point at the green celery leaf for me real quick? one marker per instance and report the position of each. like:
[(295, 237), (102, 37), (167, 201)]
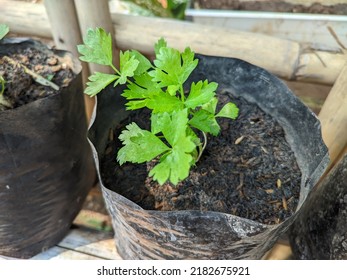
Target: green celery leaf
[(97, 47), (205, 121), (200, 94), (144, 63), (4, 29), (164, 103), (160, 172), (145, 93), (172, 67), (211, 106), (136, 104), (161, 43), (168, 63), (229, 110), (174, 167), (143, 87), (175, 125), (139, 145), (189, 64), (175, 164), (157, 122), (127, 66), (98, 81), (172, 90)]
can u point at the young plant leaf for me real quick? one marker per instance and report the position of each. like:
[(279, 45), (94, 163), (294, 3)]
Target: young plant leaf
[(164, 103), (159, 87), (144, 63), (97, 47), (174, 125), (4, 29), (128, 65), (188, 65), (143, 87), (200, 94), (160, 44), (172, 68), (205, 121), (211, 106), (175, 164), (229, 110), (98, 81), (139, 145)]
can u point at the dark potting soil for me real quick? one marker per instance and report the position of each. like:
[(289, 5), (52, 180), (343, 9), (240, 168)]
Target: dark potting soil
[(270, 6), (21, 87), (248, 170)]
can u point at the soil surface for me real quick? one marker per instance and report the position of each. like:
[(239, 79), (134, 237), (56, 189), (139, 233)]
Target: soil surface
[(270, 6), (249, 170), (21, 86)]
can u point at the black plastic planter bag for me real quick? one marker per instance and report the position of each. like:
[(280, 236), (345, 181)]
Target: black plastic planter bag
[(46, 165), (320, 232), (143, 234)]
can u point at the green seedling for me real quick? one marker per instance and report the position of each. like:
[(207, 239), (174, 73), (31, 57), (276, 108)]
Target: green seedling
[(178, 118)]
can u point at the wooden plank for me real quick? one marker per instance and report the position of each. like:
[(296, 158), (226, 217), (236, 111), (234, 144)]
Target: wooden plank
[(313, 95), (95, 243), (94, 220), (279, 252), (58, 253), (84, 244), (284, 58)]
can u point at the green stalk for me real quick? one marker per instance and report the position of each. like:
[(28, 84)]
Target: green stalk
[(202, 148), (182, 93), (2, 83)]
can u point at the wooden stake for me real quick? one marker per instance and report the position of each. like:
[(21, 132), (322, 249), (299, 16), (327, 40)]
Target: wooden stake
[(91, 14), (96, 13), (66, 34)]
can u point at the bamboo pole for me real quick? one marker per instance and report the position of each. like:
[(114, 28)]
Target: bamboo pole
[(91, 14), (284, 58), (96, 13), (66, 34), (333, 117)]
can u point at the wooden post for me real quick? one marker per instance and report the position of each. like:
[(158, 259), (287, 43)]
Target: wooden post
[(66, 32), (91, 14), (333, 117), (96, 13)]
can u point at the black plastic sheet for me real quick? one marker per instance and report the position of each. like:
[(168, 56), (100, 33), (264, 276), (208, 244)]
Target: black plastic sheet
[(46, 165), (142, 234), (320, 232)]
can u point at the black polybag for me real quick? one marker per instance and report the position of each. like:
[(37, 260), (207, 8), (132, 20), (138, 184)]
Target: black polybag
[(142, 234), (46, 164), (320, 231)]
